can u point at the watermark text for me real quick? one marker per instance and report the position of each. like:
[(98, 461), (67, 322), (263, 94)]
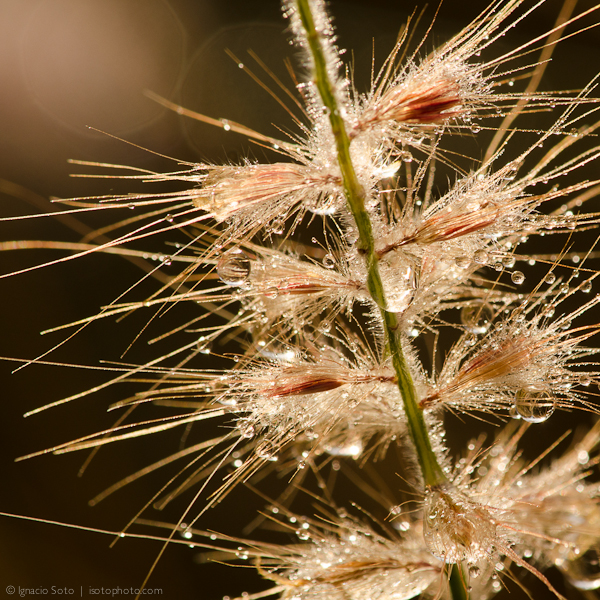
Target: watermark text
[(81, 591)]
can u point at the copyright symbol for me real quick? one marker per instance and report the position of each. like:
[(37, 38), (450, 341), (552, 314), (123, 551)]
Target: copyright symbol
[(10, 589)]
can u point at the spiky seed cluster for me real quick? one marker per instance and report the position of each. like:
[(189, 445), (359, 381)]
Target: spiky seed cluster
[(499, 506), (271, 189), (344, 558), (521, 364)]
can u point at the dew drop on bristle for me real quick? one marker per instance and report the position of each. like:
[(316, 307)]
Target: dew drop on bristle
[(328, 261), (517, 277), (481, 257), (584, 571), (476, 317), (474, 571), (586, 287), (463, 262), (400, 277), (509, 261), (277, 226), (266, 451), (534, 405), (233, 268), (246, 429), (206, 348), (550, 278)]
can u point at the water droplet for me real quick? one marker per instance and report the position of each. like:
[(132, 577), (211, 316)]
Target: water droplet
[(497, 266), (246, 429), (534, 405), (481, 257), (509, 261), (266, 451), (584, 571), (476, 317), (462, 262), (325, 327), (586, 286), (583, 458), (400, 275), (549, 312), (271, 293), (206, 348), (169, 218), (510, 172), (475, 128), (233, 267), (311, 434), (474, 571), (277, 226), (550, 278), (564, 288), (328, 261), (517, 277)]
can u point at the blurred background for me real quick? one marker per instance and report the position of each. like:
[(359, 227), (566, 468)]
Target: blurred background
[(70, 65)]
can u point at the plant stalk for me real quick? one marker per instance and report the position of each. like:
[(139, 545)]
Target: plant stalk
[(355, 197), (458, 586)]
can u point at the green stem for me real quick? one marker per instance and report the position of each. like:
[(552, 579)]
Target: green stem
[(458, 586), (355, 196)]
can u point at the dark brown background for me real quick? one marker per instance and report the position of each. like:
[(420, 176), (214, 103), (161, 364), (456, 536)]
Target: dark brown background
[(68, 64)]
